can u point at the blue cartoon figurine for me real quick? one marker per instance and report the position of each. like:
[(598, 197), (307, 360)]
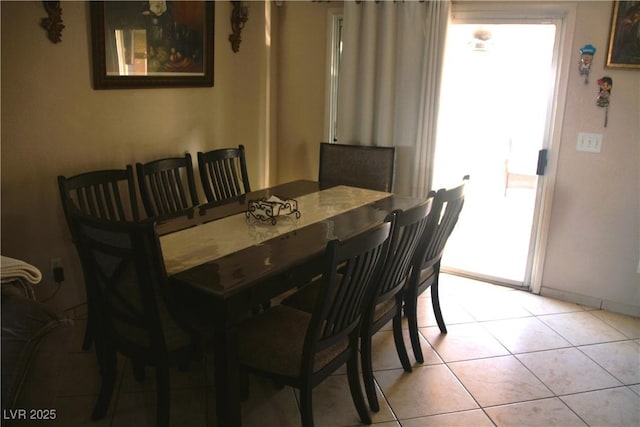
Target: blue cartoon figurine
[(605, 83), (586, 58)]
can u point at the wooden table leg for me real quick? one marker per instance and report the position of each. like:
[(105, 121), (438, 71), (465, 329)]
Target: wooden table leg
[(227, 378)]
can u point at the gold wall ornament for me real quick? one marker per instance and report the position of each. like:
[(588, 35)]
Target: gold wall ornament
[(53, 23), (239, 16)]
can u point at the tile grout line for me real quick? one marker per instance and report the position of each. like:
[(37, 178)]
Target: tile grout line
[(514, 355)]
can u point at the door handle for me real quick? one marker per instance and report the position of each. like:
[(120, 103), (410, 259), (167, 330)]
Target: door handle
[(542, 162)]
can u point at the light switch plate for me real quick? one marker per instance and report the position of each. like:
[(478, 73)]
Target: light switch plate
[(589, 142)]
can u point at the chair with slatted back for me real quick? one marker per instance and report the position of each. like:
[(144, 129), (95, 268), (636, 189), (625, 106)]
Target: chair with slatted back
[(385, 303), (108, 194), (223, 173), (301, 349), (357, 166), (137, 315), (388, 296), (447, 205), (167, 185)]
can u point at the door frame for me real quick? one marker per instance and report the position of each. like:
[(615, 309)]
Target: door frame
[(563, 14), (334, 28)]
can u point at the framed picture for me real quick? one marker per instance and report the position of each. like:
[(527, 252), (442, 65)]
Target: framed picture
[(152, 44), (624, 40)]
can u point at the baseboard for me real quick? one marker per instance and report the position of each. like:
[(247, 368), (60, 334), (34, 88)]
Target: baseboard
[(616, 307), (588, 301)]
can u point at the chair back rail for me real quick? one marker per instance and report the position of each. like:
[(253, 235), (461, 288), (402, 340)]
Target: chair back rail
[(125, 265), (301, 348), (352, 267), (425, 273), (223, 173), (444, 216), (387, 297), (167, 185), (125, 273), (406, 235), (357, 165), (108, 194)]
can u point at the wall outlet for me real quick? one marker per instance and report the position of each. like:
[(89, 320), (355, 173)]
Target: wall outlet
[(589, 142), (57, 272)]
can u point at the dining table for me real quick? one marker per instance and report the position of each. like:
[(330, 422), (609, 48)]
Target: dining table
[(222, 262)]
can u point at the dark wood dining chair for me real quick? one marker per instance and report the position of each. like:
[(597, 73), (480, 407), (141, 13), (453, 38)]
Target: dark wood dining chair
[(223, 173), (301, 349), (357, 166), (388, 295), (447, 205), (108, 194), (167, 185), (136, 314)]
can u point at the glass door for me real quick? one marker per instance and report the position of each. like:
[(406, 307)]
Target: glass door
[(494, 120)]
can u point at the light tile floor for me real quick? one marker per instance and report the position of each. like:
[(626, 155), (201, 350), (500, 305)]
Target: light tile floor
[(510, 358)]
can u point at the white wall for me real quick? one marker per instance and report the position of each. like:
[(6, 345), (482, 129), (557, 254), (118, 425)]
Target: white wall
[(594, 235), (301, 83), (270, 97), (54, 123)]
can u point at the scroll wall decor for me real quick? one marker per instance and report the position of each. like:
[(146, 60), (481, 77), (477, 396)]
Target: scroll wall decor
[(239, 17), (152, 44), (53, 22)]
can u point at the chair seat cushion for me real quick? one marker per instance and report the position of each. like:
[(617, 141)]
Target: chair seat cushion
[(304, 299), (384, 307), (273, 342)]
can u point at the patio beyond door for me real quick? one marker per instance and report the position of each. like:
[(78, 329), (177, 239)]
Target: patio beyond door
[(495, 112)]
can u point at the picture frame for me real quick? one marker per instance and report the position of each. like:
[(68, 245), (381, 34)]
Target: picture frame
[(624, 38), (152, 44)]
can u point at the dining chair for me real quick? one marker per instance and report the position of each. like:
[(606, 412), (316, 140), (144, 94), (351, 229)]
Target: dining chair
[(137, 315), (446, 208), (301, 349), (108, 194), (357, 165), (223, 173), (167, 185), (387, 298)]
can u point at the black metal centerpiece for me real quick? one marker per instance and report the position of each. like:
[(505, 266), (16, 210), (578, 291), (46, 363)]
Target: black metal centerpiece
[(273, 207)]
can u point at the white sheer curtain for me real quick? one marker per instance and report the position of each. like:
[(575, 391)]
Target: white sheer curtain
[(389, 82)]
